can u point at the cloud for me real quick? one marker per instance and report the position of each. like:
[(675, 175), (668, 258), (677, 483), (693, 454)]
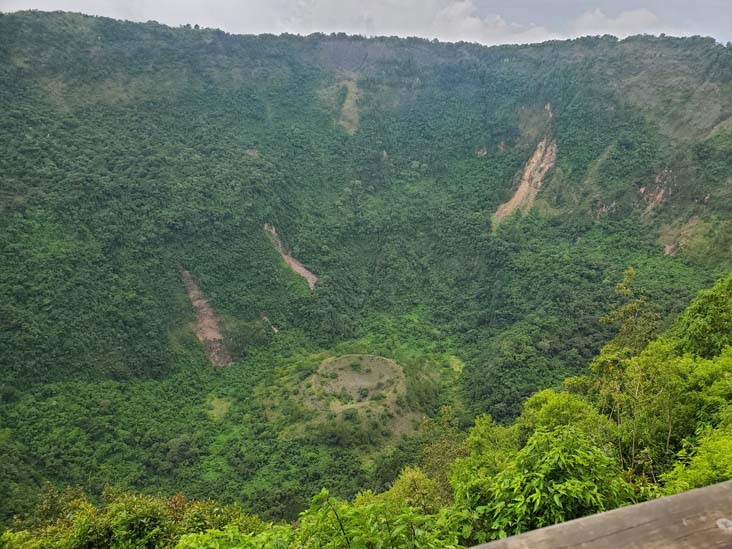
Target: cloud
[(448, 20), (484, 21), (461, 20), (627, 23)]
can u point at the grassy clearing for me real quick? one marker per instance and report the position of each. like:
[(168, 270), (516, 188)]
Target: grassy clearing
[(218, 407), (358, 381), (349, 110)]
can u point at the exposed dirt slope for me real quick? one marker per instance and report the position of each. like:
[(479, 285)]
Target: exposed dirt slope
[(207, 326), (531, 181), (293, 263), (653, 195)]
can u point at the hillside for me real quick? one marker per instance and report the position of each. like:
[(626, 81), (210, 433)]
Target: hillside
[(650, 417), (194, 225)]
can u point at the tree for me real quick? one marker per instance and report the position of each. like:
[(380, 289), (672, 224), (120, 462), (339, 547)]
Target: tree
[(635, 319), (705, 464), (657, 408), (491, 448), (705, 327), (442, 444), (559, 475), (548, 409)]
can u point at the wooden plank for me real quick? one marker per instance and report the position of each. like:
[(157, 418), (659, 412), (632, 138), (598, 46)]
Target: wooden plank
[(697, 518)]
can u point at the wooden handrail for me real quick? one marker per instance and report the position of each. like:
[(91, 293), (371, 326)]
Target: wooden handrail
[(697, 518)]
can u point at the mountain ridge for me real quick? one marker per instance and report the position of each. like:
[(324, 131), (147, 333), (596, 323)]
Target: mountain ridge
[(130, 149)]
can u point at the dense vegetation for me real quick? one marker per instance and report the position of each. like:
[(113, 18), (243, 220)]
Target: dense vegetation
[(648, 419), (129, 151)]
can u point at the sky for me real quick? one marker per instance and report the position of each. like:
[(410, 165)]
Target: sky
[(484, 21)]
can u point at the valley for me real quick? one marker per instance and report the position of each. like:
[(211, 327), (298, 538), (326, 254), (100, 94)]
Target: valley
[(252, 268)]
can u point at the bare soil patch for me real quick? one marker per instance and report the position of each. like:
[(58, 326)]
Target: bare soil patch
[(654, 195), (207, 325), (531, 181), (293, 263)]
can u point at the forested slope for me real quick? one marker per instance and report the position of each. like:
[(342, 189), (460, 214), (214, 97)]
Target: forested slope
[(650, 417), (129, 152)]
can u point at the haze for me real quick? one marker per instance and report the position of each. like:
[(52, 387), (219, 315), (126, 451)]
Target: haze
[(484, 21)]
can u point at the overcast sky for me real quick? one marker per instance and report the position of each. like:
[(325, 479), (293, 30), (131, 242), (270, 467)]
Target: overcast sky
[(485, 21)]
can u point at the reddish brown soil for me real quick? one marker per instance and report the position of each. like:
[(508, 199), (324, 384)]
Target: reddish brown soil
[(293, 263), (531, 181), (207, 326)]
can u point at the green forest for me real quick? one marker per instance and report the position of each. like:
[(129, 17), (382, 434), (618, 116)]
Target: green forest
[(651, 416), (519, 308)]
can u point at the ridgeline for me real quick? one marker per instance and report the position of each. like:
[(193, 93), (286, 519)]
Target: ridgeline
[(468, 211)]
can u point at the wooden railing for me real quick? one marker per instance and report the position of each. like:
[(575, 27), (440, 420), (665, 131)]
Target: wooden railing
[(697, 518)]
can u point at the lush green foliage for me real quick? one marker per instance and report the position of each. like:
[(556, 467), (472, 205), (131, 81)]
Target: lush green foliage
[(129, 151), (706, 326), (605, 440), (559, 475), (68, 520)]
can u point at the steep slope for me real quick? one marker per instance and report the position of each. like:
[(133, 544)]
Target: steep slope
[(293, 263), (128, 150), (531, 181), (207, 325), (651, 416)]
